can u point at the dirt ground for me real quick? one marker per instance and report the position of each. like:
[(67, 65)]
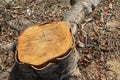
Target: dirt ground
[(100, 58)]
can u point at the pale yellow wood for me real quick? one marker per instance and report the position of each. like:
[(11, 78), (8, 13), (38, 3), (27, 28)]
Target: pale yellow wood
[(39, 44)]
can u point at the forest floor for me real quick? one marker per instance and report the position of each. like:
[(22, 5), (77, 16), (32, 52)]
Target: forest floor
[(100, 58)]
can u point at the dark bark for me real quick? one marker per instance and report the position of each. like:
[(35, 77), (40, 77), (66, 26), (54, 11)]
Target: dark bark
[(61, 70), (64, 69)]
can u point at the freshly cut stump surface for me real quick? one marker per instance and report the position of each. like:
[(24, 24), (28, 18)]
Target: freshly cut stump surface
[(40, 44)]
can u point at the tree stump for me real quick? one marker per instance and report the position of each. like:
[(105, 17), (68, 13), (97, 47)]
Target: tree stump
[(40, 44), (47, 52)]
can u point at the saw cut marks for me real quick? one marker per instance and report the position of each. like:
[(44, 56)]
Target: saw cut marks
[(40, 44)]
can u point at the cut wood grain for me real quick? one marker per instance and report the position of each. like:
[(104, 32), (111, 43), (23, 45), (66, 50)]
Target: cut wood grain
[(40, 44), (52, 43)]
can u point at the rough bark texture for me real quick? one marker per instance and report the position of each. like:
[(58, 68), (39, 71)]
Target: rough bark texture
[(60, 70), (66, 69)]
